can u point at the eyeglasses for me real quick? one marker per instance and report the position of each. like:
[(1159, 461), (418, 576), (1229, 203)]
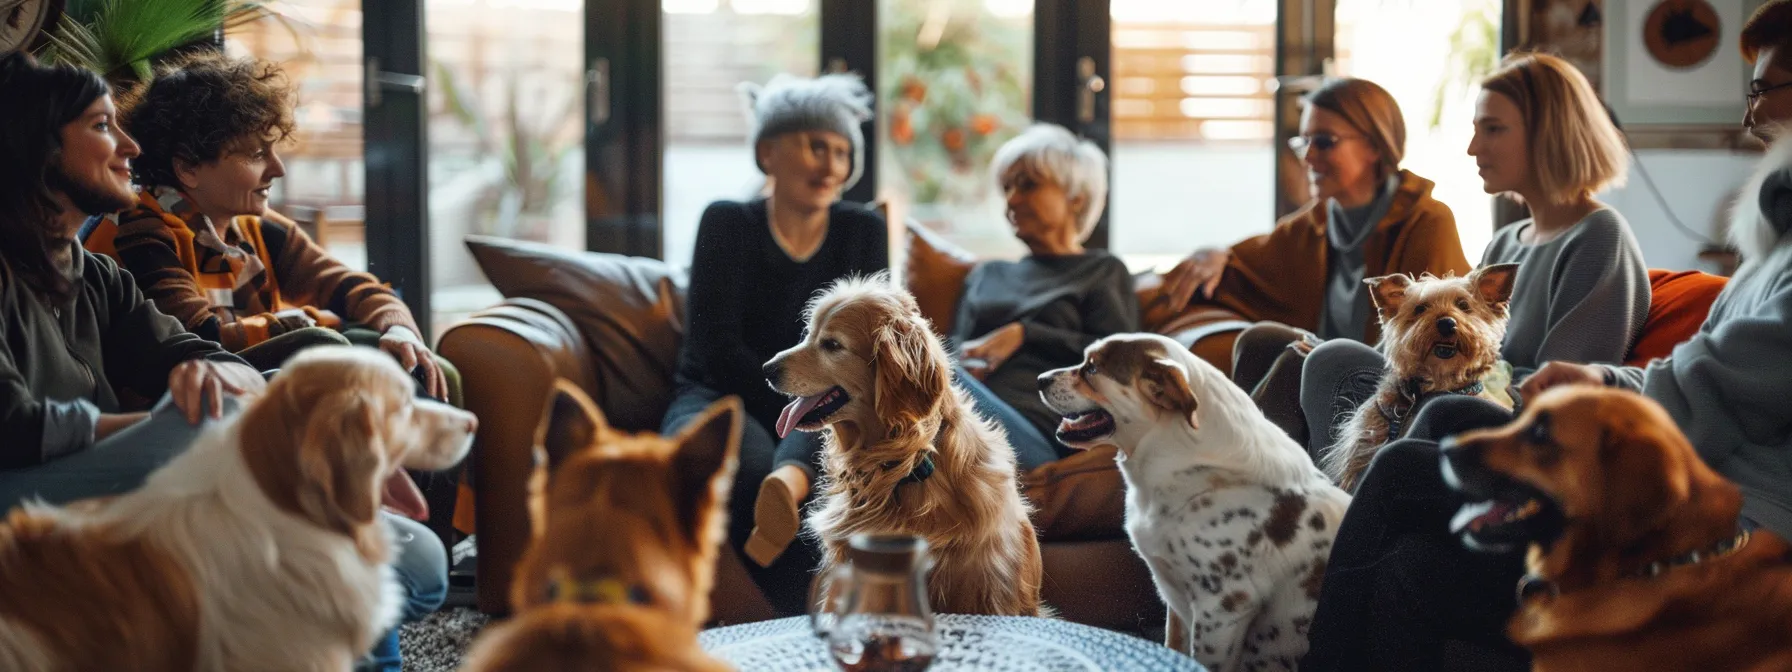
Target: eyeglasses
[(1755, 96), (1323, 142)]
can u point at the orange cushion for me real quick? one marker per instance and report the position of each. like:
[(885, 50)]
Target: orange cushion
[(1678, 304), (935, 275)]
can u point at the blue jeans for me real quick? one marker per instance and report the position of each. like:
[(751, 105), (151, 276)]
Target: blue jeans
[(1031, 447), (123, 461), (422, 568)]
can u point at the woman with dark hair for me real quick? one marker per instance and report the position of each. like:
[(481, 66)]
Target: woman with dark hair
[(74, 331), (1303, 281), (77, 330), (204, 246)]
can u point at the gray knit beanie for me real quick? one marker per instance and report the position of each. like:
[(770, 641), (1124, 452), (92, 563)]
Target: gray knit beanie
[(837, 103)]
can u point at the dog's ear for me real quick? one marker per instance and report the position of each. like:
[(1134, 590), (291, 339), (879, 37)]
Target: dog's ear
[(571, 422), (703, 469), (1388, 292), (1165, 384), (911, 380), (1645, 476), (1493, 284), (342, 462)]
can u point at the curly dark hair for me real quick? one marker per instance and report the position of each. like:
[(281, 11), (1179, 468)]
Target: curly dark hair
[(199, 107)]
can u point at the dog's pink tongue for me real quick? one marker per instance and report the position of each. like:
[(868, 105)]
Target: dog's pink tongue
[(794, 413), (401, 495)]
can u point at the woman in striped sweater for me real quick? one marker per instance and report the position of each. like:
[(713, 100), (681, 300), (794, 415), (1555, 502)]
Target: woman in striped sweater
[(204, 247)]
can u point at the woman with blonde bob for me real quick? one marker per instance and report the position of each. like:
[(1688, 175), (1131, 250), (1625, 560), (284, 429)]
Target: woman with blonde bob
[(1398, 585)]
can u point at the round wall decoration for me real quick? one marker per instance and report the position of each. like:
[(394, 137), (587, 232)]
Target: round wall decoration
[(1682, 33), (25, 24)]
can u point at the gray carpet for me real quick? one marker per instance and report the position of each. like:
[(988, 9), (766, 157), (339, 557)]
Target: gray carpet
[(437, 643)]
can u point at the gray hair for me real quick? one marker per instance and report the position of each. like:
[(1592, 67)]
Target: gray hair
[(839, 103), (1051, 152)]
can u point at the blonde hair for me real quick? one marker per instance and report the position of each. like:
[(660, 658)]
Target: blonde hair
[(1052, 153), (1372, 111), (1575, 149)]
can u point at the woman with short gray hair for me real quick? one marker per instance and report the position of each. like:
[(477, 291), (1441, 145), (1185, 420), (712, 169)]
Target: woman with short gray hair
[(1018, 319), (754, 269)]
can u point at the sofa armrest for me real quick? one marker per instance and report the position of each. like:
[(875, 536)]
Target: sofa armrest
[(509, 356)]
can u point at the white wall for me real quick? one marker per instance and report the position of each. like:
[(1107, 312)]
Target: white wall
[(1697, 184)]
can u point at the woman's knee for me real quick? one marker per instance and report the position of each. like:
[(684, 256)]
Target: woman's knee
[(1258, 347), (421, 567)]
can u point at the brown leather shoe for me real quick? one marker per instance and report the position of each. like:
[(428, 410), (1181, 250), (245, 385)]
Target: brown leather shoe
[(777, 516)]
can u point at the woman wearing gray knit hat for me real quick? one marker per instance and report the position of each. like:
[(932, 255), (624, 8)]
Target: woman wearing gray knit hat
[(755, 266)]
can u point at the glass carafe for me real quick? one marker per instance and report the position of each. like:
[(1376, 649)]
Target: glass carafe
[(872, 610)]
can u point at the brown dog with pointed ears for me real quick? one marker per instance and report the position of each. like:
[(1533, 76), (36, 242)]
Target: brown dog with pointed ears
[(905, 451), (627, 528)]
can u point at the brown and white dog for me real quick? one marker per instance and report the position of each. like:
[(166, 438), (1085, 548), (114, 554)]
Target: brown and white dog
[(1230, 514), (1637, 560), (1440, 335), (626, 532), (905, 452), (259, 548)]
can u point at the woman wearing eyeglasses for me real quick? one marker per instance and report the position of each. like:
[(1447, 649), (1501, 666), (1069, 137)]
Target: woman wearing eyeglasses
[(1303, 281)]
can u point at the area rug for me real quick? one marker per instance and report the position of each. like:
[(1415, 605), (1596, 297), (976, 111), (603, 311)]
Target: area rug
[(437, 643)]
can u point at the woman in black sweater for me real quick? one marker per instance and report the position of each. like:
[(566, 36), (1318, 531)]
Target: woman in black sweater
[(755, 267)]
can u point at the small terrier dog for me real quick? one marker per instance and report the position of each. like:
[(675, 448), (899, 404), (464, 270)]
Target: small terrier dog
[(1439, 335), (626, 532)]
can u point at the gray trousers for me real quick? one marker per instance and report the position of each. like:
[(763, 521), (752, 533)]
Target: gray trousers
[(1309, 397)]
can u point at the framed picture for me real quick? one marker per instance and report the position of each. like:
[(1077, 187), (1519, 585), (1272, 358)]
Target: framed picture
[(1675, 62)]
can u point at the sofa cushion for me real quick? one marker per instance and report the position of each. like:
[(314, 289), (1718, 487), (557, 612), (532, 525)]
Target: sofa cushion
[(935, 275), (1678, 304), (630, 311)]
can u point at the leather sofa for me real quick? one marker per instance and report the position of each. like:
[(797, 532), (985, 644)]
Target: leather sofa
[(611, 324)]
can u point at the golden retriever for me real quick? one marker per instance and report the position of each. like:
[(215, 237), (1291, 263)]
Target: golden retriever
[(259, 548), (626, 533), (905, 451), (1637, 560)]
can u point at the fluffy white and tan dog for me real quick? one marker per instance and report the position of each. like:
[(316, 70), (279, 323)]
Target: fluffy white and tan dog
[(905, 451), (1230, 514), (259, 548)]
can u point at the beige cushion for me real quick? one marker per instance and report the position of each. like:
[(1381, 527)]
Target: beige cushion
[(629, 309)]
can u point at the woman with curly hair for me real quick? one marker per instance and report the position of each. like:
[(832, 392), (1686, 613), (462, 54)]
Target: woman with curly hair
[(204, 246)]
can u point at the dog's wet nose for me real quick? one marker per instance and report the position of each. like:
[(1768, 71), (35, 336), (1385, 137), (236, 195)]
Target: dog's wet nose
[(1447, 326), (1045, 380), (773, 372)]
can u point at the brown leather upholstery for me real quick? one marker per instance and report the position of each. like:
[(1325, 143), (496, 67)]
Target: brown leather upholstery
[(610, 324)]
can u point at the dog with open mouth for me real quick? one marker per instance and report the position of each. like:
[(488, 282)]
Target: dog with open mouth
[(1637, 559), (1440, 335), (1230, 514), (905, 452)]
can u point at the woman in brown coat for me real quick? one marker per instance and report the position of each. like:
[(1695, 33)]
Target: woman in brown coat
[(1303, 281)]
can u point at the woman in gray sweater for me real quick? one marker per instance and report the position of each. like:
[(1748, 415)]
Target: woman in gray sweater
[(1582, 291)]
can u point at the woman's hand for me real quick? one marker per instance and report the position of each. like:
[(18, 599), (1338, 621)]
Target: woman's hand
[(199, 386), (1201, 270), (1556, 374), (986, 354), (405, 346)]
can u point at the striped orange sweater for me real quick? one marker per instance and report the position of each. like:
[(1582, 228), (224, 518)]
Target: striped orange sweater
[(231, 298)]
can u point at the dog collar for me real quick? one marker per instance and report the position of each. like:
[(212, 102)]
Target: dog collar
[(920, 473), (1533, 585), (1397, 419), (601, 591)]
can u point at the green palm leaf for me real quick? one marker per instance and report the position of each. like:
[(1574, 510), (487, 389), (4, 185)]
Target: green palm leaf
[(123, 38)]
